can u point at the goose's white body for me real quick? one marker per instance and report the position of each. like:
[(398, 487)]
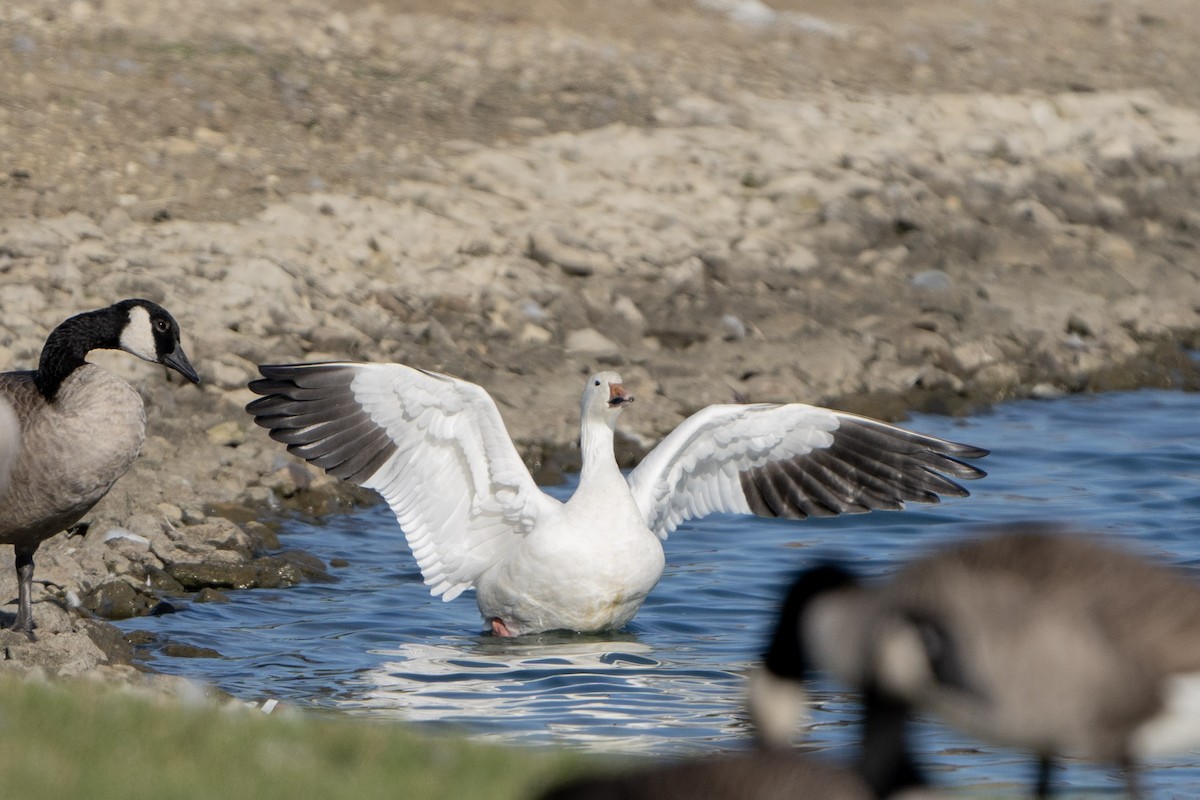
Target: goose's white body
[(437, 450)]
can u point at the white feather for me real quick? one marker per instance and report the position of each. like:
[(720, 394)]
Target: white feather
[(694, 470), (1177, 726), (454, 476)]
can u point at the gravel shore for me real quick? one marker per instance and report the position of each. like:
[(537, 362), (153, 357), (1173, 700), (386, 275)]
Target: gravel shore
[(928, 206)]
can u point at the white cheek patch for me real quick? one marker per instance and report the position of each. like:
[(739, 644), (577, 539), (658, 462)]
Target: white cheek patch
[(777, 706), (902, 662), (1177, 726), (137, 337)]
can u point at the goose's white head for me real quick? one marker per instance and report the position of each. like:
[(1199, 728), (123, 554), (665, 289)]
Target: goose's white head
[(603, 398)]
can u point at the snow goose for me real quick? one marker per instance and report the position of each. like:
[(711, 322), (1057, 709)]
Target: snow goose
[(437, 450), (1031, 638), (79, 427)]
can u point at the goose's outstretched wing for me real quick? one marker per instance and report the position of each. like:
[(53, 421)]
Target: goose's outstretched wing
[(795, 461), (433, 446)]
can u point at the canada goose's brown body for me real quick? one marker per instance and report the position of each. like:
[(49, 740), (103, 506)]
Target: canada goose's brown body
[(72, 450), (79, 426)]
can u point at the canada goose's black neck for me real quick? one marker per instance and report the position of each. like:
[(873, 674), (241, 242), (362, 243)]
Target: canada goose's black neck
[(787, 656), (887, 763), (67, 346)]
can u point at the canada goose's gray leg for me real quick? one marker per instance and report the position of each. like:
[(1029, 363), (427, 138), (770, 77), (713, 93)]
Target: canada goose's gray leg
[(1045, 768), (1133, 783), (24, 620)]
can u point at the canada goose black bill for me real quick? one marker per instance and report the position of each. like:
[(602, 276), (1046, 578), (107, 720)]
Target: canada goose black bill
[(1032, 637), (80, 427)]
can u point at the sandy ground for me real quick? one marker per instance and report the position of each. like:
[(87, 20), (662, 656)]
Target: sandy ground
[(881, 206)]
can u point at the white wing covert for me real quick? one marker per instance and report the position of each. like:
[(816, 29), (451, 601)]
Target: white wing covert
[(433, 446), (794, 461)]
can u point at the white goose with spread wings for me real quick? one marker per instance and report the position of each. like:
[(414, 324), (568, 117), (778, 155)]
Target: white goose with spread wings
[(437, 450)]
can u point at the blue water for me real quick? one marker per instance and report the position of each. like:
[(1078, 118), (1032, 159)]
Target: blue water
[(376, 643)]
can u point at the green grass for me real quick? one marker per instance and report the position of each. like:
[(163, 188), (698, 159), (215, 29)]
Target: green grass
[(73, 740)]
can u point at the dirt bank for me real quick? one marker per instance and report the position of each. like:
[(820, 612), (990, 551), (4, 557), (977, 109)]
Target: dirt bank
[(877, 205)]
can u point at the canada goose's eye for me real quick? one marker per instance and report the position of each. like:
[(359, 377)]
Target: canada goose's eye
[(160, 324)]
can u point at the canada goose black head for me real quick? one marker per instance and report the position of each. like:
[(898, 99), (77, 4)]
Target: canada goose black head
[(777, 697), (819, 625), (139, 327)]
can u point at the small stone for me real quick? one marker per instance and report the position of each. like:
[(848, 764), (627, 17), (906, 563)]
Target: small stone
[(196, 576), (179, 147), (230, 510), (530, 126), (1031, 212), (801, 260), (932, 280), (210, 595), (997, 377), (262, 536), (546, 246), (116, 599), (179, 650), (226, 434), (206, 137), (80, 11), (534, 334), (590, 342), (1079, 326), (733, 328)]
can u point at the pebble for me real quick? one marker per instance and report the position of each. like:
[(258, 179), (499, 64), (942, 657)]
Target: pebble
[(590, 342), (226, 434)]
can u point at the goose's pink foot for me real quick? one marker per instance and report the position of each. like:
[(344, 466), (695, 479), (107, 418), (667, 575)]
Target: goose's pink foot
[(499, 628)]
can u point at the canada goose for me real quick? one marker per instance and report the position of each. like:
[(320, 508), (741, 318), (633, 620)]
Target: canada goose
[(81, 427), (1031, 637), (765, 775), (437, 450)]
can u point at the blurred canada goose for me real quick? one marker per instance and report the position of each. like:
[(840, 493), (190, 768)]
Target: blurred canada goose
[(81, 427), (437, 450), (1032, 638), (765, 775)]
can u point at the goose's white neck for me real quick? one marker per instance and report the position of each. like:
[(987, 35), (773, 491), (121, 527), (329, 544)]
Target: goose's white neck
[(596, 446)]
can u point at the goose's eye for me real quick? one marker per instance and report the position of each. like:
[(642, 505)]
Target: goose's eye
[(160, 324), (597, 383)]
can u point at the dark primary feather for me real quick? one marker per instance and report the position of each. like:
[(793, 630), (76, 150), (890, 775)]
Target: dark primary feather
[(869, 466), (311, 408)]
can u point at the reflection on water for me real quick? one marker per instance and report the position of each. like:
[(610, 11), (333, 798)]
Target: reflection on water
[(376, 643), (593, 692)]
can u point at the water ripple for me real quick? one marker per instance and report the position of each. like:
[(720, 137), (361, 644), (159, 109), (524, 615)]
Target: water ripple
[(375, 643)]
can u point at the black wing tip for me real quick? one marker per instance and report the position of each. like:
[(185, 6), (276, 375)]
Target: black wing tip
[(959, 450), (959, 469)]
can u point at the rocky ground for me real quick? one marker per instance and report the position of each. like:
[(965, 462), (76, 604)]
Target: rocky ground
[(879, 205)]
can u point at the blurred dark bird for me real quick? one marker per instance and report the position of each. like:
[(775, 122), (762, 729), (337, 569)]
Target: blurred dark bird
[(1032, 637), (766, 775)]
